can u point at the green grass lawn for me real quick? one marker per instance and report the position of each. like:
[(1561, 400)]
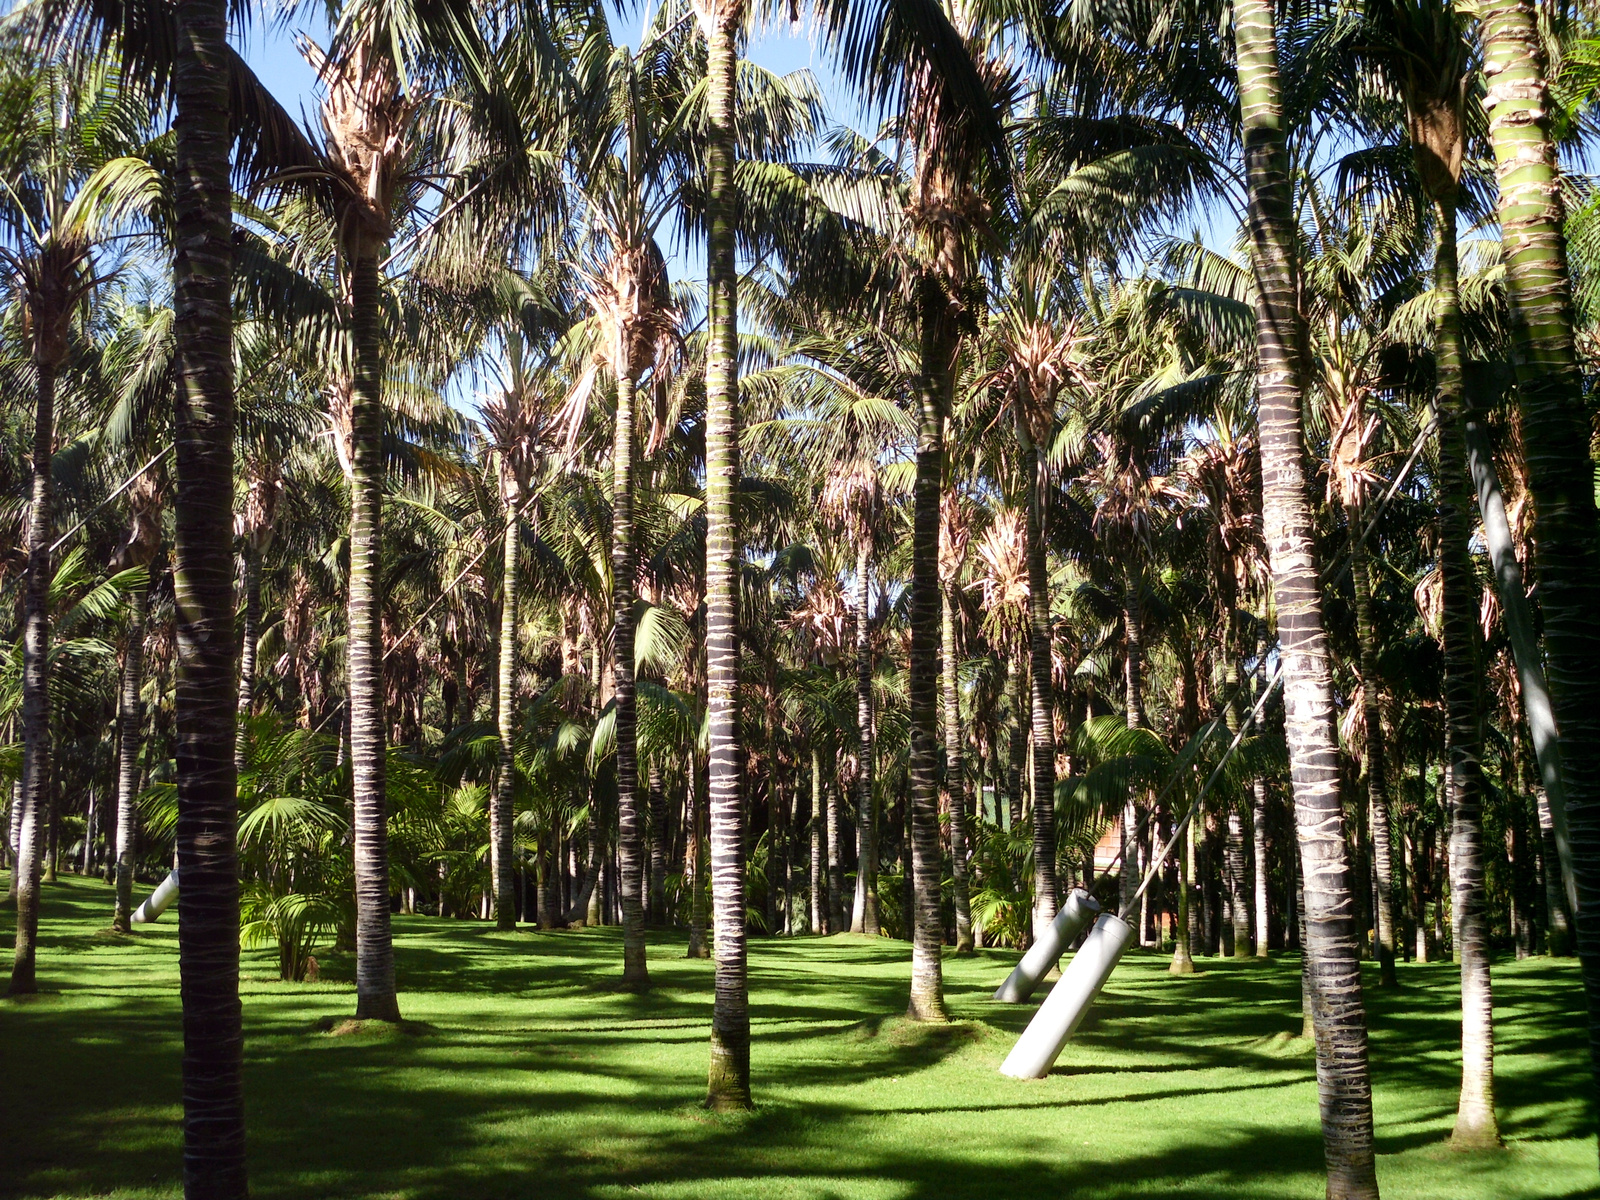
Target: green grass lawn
[(522, 1073)]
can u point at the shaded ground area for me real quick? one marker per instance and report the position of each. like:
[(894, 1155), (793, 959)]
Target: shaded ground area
[(521, 1073)]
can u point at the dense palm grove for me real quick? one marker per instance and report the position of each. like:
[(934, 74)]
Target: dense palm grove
[(392, 523)]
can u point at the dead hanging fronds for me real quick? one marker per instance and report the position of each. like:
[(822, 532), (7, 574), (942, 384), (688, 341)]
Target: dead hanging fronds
[(823, 621), (368, 122), (1429, 594), (258, 513), (1129, 498), (852, 497), (1228, 475), (1350, 473), (341, 396), (636, 330), (955, 531), (145, 501), (1003, 551)]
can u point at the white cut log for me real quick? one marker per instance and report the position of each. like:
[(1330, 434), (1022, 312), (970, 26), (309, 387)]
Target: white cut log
[(1073, 919), (1036, 1050), (158, 901)]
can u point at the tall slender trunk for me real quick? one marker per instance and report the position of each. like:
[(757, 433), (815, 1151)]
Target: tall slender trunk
[(1334, 977), (630, 832), (728, 1085), (658, 847), (375, 986), (955, 777), (1556, 436), (130, 739), (1018, 750), (1475, 1118), (1258, 835), (865, 917), (1558, 915), (204, 705), (247, 649), (927, 973), (1182, 947), (835, 837), (1537, 709), (1042, 717), (1376, 760), (694, 865), (35, 682), (1233, 845), (819, 889), (502, 841)]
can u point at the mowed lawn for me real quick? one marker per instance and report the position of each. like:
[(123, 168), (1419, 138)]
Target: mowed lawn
[(521, 1072)]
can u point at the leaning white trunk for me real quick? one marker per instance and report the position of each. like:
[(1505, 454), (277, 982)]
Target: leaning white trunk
[(158, 901), (1040, 1044), (1073, 919)]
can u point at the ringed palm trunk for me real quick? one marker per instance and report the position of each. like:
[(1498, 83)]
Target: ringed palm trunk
[(694, 862), (955, 778), (630, 829), (130, 736), (835, 839), (927, 974), (35, 684), (1233, 849), (204, 704), (247, 648), (1017, 757), (1041, 713), (375, 987), (502, 843), (1377, 762), (658, 848), (1556, 438), (1475, 1118), (865, 917), (728, 1081), (1333, 979)]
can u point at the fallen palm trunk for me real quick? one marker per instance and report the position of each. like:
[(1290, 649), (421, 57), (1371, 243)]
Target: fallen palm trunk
[(158, 901), (1073, 919)]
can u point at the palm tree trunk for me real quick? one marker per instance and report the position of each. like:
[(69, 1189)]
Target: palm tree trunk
[(130, 737), (865, 917), (1556, 437), (694, 862), (1344, 1084), (205, 700), (1043, 722), (369, 741), (1018, 749), (630, 832), (1537, 709), (819, 868), (937, 346), (1558, 916), (501, 834), (728, 1084), (658, 848), (1377, 762), (1182, 949), (1475, 1118), (1258, 834), (247, 648), (955, 778), (35, 682), (835, 837)]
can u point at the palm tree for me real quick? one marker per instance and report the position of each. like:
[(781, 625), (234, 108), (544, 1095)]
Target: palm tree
[(853, 496), (1344, 1083), (202, 574), (69, 128), (514, 426), (728, 1085), (1555, 434), (144, 539), (954, 533)]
